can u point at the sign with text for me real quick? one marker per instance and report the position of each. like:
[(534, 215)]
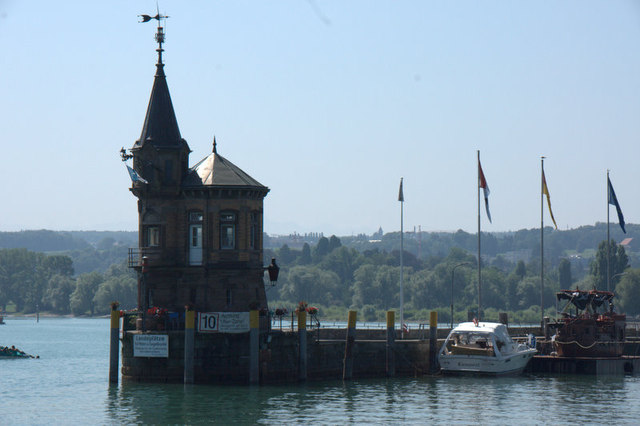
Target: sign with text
[(223, 322), (151, 345)]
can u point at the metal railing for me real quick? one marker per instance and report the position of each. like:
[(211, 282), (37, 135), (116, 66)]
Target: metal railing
[(156, 256)]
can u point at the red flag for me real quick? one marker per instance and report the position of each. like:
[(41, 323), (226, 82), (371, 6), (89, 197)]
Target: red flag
[(482, 183)]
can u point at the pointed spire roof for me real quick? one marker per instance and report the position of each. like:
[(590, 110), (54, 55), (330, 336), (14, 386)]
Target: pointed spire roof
[(160, 124)]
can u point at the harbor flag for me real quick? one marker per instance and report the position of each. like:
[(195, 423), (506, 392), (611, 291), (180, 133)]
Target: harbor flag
[(135, 177), (545, 191), (613, 200), (400, 193), (482, 183)]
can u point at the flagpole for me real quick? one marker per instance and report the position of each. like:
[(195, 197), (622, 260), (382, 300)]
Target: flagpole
[(401, 258), (542, 241), (479, 253)]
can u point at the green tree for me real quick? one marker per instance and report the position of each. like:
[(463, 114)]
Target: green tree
[(521, 269), (58, 264), (528, 292), (286, 256), (619, 261), (321, 249), (311, 284), (123, 289), (362, 288), (564, 273), (81, 300), (59, 288), (628, 291), (305, 256), (334, 243)]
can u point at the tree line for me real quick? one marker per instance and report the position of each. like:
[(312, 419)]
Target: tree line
[(36, 282), (336, 276), (332, 275)]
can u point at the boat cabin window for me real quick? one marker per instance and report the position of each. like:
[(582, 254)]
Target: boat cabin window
[(471, 343)]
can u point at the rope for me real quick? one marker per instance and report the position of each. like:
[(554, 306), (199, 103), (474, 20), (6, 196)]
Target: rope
[(576, 342)]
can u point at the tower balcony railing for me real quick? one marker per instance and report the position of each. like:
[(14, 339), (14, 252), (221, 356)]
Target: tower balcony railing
[(156, 256)]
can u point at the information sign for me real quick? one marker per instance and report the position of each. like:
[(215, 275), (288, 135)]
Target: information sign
[(151, 345)]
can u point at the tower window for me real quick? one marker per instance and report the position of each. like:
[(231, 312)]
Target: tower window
[(152, 236), (227, 231), (229, 297), (255, 231)]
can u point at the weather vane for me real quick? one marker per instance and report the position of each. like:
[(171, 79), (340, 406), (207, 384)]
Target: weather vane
[(160, 34)]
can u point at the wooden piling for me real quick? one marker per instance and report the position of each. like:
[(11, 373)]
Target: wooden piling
[(302, 336), (391, 339), (254, 347), (347, 370), (114, 348), (189, 344), (433, 341)]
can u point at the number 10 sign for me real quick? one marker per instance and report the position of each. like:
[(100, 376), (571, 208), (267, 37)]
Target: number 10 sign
[(223, 322)]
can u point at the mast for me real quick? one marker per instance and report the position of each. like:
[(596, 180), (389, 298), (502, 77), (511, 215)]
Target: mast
[(542, 240), (479, 252)]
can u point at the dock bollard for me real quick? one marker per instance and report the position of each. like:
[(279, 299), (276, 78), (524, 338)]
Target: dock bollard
[(254, 347), (114, 347), (347, 371), (391, 340), (302, 336), (433, 341), (189, 343)]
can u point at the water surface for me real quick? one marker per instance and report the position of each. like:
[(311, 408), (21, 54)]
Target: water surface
[(69, 385)]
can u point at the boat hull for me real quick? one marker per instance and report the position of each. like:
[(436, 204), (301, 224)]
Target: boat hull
[(605, 349), (482, 365)]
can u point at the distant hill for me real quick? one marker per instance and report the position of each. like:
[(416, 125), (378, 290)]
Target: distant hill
[(55, 241)]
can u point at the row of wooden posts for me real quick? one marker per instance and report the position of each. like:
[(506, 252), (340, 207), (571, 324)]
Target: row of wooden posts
[(254, 345)]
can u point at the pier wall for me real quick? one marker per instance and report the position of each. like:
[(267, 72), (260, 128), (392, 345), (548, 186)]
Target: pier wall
[(224, 358)]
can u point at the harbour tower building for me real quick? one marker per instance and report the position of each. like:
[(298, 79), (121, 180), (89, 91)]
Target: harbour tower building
[(199, 227)]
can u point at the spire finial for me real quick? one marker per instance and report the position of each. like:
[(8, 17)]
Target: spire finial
[(159, 34), (215, 150)]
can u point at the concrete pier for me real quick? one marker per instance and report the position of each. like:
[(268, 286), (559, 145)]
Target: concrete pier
[(582, 365)]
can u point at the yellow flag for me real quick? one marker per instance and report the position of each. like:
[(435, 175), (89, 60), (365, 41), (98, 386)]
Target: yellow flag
[(545, 191)]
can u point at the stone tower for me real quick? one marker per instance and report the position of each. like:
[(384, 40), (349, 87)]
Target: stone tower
[(200, 227)]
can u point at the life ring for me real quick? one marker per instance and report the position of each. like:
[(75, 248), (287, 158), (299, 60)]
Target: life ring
[(405, 328), (475, 322)]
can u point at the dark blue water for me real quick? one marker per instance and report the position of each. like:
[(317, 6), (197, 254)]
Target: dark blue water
[(69, 385)]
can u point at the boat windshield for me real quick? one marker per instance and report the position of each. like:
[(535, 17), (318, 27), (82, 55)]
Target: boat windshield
[(470, 343)]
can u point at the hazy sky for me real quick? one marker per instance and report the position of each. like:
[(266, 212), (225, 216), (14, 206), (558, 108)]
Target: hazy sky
[(329, 103)]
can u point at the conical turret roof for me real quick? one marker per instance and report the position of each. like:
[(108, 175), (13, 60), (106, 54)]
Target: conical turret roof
[(160, 124)]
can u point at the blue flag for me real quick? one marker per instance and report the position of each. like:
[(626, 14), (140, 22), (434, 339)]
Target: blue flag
[(613, 200), (135, 177)]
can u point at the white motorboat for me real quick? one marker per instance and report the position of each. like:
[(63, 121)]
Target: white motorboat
[(483, 348)]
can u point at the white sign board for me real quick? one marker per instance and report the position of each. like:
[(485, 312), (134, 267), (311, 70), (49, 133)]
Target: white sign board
[(151, 345), (223, 322)]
